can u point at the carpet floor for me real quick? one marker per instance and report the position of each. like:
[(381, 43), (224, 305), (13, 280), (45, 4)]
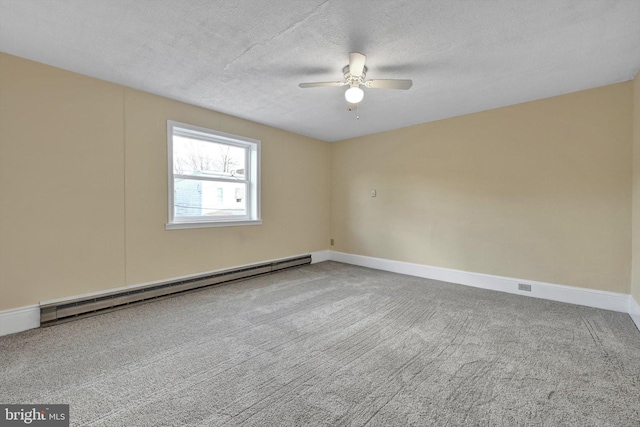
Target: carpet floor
[(333, 344)]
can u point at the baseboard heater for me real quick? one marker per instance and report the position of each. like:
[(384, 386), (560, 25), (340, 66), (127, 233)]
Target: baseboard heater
[(55, 313)]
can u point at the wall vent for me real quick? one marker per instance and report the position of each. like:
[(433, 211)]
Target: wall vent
[(55, 313)]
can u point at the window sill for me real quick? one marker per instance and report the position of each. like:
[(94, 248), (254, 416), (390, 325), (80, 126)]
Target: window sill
[(182, 225)]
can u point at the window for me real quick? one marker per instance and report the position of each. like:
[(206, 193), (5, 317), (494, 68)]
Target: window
[(213, 178)]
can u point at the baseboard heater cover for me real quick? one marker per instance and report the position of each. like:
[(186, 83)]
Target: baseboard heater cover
[(55, 313)]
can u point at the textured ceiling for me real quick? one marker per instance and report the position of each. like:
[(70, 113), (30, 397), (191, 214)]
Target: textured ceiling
[(246, 58)]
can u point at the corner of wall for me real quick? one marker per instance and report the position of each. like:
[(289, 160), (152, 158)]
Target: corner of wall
[(634, 311), (635, 213)]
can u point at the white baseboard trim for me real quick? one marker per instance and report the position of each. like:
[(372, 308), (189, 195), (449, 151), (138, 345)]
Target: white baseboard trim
[(19, 319), (634, 311), (28, 317), (320, 256), (569, 294)]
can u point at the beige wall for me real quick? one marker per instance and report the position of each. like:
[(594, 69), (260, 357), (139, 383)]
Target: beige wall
[(537, 191), (635, 283), (294, 186), (61, 181), (83, 179)]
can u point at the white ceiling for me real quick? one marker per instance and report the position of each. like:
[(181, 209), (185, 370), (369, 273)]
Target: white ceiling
[(246, 58)]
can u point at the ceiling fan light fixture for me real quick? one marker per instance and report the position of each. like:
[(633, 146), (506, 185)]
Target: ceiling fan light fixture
[(355, 74), (354, 95)]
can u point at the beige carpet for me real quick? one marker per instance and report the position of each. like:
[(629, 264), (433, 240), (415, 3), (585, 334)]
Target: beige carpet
[(332, 344)]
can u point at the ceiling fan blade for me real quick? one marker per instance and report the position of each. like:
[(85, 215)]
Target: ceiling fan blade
[(389, 84), (322, 84), (356, 63)]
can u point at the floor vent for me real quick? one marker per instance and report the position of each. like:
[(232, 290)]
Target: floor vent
[(52, 314)]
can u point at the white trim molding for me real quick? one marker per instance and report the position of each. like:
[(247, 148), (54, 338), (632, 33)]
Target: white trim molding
[(28, 317), (634, 311), (19, 319), (320, 256), (183, 225), (589, 297)]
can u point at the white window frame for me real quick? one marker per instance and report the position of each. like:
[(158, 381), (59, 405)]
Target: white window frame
[(252, 177)]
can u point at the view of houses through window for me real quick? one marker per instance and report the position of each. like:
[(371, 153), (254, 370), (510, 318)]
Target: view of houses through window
[(214, 178), (209, 178)]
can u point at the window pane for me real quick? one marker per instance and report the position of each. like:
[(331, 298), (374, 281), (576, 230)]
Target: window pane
[(194, 198), (204, 158), (214, 178)]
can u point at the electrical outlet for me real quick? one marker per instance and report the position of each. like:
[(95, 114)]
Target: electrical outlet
[(331, 242), (524, 287), (373, 193)]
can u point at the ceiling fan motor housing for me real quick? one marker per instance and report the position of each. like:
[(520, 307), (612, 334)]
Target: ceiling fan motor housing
[(354, 80)]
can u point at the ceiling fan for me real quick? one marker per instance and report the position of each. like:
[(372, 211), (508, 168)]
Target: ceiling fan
[(354, 77)]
